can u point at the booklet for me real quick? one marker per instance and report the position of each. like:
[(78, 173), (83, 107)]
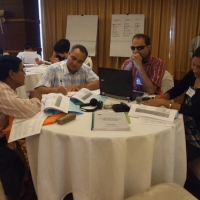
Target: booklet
[(110, 121), (158, 113), (22, 128), (83, 96), (55, 103)]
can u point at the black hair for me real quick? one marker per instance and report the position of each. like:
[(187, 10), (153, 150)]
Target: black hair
[(62, 46), (27, 46), (145, 37), (7, 63), (60, 58), (81, 48), (196, 53), (1, 50)]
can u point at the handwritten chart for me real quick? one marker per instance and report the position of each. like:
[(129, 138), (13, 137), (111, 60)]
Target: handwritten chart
[(123, 28)]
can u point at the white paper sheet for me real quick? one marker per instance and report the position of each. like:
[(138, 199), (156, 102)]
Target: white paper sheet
[(29, 57), (22, 128), (154, 122), (159, 113)]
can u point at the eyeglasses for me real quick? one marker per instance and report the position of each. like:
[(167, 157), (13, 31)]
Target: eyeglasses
[(138, 48), (21, 70)]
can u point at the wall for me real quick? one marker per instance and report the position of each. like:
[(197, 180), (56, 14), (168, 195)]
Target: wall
[(21, 25)]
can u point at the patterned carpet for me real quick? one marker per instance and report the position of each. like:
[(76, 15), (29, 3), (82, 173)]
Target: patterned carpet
[(28, 187)]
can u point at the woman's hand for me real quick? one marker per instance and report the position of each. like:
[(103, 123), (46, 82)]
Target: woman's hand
[(157, 102)]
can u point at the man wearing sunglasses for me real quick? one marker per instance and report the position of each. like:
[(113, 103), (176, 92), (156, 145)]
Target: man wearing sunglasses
[(147, 70)]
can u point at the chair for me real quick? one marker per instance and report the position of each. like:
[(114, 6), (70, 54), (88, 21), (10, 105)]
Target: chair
[(167, 82), (2, 195), (164, 191), (195, 167), (88, 61)]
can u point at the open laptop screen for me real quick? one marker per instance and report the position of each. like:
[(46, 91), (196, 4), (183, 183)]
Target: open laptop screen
[(116, 83)]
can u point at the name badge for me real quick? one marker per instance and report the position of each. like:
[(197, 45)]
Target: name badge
[(138, 81), (190, 92)]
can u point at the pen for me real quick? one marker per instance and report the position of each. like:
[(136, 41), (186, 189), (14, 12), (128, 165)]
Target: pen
[(29, 91)]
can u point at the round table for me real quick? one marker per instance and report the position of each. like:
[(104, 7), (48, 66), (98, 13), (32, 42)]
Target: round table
[(108, 165)]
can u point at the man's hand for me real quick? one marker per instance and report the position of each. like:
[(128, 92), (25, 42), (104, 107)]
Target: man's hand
[(137, 60), (62, 90), (38, 61), (35, 94), (73, 88), (54, 60)]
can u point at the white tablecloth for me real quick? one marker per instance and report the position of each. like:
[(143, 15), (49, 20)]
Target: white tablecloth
[(31, 79), (105, 165)]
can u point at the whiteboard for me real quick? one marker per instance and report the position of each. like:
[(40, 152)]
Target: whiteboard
[(82, 29), (123, 28)]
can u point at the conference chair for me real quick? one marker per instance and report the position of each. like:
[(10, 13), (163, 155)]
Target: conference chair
[(164, 191), (195, 167), (167, 82), (88, 61)]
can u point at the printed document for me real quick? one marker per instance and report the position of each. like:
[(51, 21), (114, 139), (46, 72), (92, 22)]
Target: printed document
[(22, 128), (82, 96), (154, 122), (110, 121), (159, 113), (56, 102)]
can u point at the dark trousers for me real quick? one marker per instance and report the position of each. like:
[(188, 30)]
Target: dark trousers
[(12, 171), (192, 183)]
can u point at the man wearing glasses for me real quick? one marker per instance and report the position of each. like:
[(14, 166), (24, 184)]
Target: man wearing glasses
[(12, 166), (147, 70)]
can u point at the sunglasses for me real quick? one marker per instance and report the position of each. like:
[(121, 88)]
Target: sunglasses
[(138, 48)]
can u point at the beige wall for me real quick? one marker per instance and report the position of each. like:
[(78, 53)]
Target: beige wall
[(163, 18), (21, 25)]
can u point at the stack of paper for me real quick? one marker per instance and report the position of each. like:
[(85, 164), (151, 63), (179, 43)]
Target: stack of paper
[(110, 121), (153, 115)]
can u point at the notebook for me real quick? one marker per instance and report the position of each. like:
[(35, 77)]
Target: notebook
[(117, 83)]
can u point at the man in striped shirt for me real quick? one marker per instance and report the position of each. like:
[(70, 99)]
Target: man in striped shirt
[(147, 71), (12, 76)]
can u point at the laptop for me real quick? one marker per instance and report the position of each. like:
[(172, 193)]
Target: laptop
[(30, 56), (117, 83)]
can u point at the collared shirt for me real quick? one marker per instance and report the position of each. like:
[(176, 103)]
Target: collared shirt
[(11, 105), (154, 68), (58, 74)]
